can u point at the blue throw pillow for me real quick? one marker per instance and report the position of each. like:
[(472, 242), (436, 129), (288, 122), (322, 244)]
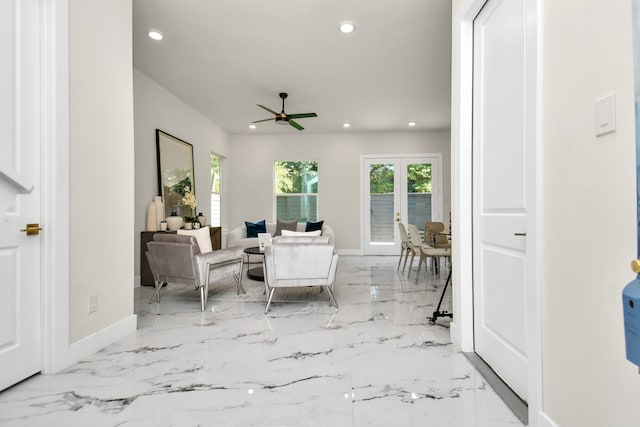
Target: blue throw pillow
[(254, 228), (314, 226)]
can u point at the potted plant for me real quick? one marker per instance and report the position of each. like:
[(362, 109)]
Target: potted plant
[(189, 200)]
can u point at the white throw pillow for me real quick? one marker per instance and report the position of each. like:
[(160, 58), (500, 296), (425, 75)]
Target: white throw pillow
[(301, 233), (202, 237)]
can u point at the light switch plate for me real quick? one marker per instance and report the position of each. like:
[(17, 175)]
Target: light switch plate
[(606, 115)]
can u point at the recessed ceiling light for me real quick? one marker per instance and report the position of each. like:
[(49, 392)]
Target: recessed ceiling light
[(346, 125), (412, 124), (156, 35), (347, 27), (252, 126)]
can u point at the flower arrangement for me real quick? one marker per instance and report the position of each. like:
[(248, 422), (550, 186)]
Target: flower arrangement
[(189, 200)]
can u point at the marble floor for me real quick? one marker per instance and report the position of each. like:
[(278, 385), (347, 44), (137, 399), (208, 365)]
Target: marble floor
[(375, 361)]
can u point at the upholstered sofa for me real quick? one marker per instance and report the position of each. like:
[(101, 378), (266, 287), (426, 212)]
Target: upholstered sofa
[(300, 261), (238, 235)]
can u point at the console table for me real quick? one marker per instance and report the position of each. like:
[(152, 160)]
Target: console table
[(146, 278)]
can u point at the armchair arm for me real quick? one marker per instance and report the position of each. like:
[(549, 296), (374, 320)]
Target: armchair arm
[(332, 270), (218, 258)]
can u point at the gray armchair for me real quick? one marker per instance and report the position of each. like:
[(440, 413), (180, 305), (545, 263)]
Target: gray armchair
[(175, 258), (300, 261)]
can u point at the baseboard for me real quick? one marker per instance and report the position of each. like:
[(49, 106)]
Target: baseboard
[(347, 252), (454, 334), (545, 421), (136, 281), (95, 342)]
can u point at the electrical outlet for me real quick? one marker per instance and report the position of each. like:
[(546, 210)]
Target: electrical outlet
[(93, 303)]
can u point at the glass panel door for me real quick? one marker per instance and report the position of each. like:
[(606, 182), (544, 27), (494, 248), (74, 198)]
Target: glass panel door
[(398, 189)]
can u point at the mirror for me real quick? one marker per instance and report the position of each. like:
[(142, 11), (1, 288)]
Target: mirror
[(175, 172)]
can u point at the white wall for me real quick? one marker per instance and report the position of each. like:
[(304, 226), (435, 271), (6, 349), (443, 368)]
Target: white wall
[(589, 211), (156, 108), (100, 164), (338, 156)]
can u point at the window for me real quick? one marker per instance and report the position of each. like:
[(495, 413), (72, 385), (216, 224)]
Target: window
[(215, 191), (296, 191)]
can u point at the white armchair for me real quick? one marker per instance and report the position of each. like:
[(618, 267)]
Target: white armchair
[(175, 258), (300, 261)]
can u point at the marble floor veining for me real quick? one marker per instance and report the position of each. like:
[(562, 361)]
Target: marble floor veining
[(375, 361)]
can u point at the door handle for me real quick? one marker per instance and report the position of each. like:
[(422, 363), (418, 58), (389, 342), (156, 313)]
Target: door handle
[(32, 229), (520, 234)]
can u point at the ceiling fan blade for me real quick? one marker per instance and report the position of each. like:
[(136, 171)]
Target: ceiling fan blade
[(302, 115), (295, 125), (264, 120), (268, 109)]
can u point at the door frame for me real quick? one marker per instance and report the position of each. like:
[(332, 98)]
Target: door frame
[(462, 218), (437, 190)]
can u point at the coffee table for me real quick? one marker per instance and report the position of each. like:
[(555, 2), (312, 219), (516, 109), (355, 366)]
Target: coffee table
[(255, 273)]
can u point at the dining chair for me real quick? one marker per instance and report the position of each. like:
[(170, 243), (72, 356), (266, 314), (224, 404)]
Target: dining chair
[(435, 231), (424, 251), (437, 236), (405, 248)]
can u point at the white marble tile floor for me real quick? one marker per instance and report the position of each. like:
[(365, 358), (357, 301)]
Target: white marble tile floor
[(375, 361)]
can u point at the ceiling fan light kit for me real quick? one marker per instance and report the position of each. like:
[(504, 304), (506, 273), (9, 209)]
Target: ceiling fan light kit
[(283, 118)]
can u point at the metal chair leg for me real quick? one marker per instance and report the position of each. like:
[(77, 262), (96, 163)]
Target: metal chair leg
[(158, 286), (332, 298), (271, 292)]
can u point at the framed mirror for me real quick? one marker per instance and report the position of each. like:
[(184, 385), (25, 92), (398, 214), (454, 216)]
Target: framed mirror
[(175, 172)]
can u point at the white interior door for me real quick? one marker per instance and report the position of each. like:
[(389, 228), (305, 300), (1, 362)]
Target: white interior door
[(20, 355), (406, 188), (500, 200)]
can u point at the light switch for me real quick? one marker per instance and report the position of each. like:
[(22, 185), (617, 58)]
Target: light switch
[(606, 115)]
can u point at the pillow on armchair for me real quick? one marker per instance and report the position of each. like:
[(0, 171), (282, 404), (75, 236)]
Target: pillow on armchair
[(254, 228), (313, 226), (286, 225), (203, 237)]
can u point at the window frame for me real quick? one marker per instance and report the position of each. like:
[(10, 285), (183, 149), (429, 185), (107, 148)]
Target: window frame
[(316, 195)]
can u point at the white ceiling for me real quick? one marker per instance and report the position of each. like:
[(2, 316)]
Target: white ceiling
[(223, 57)]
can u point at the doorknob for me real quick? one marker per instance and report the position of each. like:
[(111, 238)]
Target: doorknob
[(635, 266), (32, 229)]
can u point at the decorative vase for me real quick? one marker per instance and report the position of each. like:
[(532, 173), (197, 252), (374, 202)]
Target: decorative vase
[(174, 222), (157, 201), (188, 225), (202, 219), (152, 220)]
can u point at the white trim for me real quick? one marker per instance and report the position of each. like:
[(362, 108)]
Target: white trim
[(95, 342), (55, 182), (349, 252), (461, 328), (545, 421), (534, 217), (462, 77)]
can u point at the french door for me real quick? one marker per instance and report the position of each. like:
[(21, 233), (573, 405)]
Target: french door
[(398, 188)]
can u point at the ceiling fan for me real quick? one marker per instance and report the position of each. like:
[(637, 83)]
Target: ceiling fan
[(284, 118)]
